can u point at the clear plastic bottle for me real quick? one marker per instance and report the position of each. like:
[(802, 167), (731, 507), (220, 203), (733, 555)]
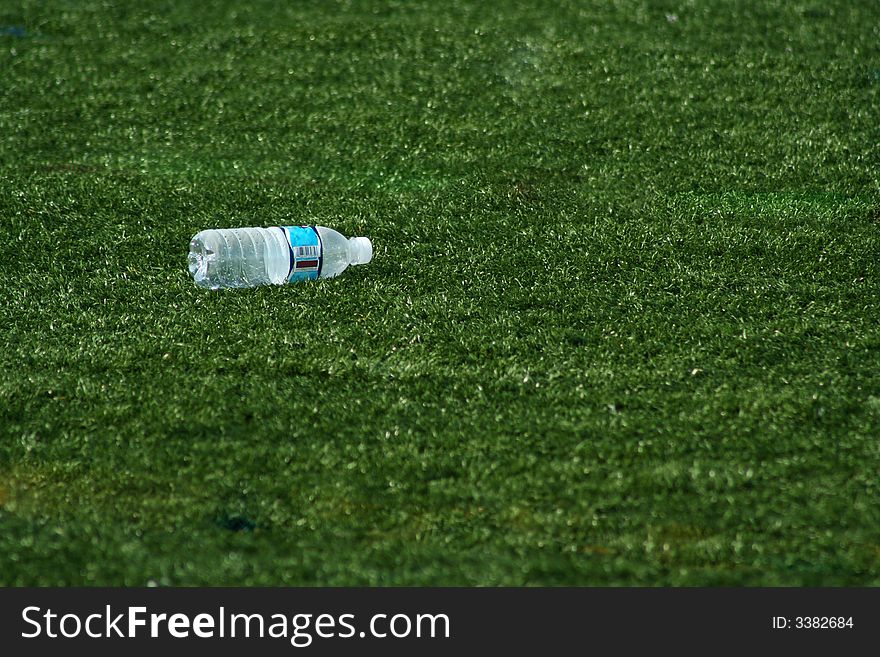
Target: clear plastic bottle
[(247, 257)]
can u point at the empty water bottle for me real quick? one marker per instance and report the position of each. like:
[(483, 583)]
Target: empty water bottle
[(247, 257)]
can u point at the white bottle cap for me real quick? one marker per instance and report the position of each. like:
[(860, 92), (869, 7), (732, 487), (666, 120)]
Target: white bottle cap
[(361, 250)]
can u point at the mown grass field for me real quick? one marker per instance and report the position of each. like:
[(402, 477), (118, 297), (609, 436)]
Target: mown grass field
[(622, 325)]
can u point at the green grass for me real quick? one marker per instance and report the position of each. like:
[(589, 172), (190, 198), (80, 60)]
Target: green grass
[(622, 325)]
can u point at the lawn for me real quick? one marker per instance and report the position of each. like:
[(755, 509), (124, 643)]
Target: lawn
[(622, 326)]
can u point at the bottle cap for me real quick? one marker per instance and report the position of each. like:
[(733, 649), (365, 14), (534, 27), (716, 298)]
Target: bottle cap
[(361, 250)]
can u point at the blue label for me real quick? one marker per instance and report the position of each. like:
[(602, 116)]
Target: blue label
[(306, 252)]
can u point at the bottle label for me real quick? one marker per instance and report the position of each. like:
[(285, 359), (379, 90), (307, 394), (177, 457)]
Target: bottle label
[(306, 252)]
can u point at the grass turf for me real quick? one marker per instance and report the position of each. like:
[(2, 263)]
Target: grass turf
[(621, 326)]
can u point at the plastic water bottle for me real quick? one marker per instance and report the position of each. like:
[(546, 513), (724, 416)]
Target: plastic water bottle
[(247, 257)]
